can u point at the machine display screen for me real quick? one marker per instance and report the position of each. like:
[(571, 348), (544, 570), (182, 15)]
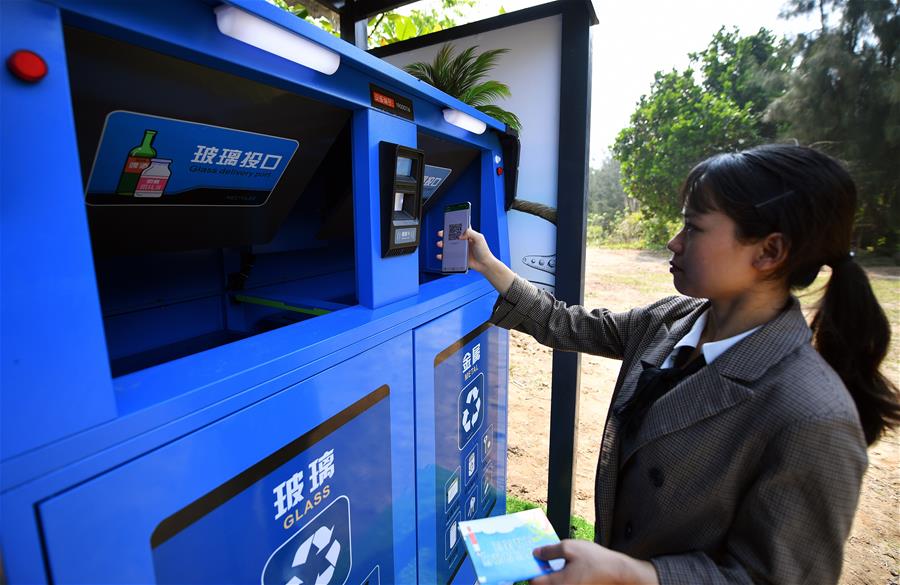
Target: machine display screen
[(404, 166), (288, 518)]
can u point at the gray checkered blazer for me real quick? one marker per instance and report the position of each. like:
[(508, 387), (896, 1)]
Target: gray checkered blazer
[(748, 471)]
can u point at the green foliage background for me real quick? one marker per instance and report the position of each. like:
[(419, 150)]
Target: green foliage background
[(716, 105), (392, 26), (844, 98), (837, 89)]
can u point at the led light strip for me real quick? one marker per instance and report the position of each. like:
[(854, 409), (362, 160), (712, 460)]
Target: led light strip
[(464, 121), (245, 27)]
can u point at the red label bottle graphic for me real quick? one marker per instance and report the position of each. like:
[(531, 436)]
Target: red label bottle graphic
[(138, 159), (154, 178)]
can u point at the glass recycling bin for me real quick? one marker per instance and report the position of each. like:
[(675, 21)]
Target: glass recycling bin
[(211, 372)]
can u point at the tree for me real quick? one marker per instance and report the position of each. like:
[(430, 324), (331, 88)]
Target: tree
[(844, 98), (311, 12), (675, 127), (387, 27), (607, 203), (683, 121), (391, 27), (606, 197), (752, 71)]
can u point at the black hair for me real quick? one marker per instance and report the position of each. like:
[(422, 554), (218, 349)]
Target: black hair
[(810, 199)]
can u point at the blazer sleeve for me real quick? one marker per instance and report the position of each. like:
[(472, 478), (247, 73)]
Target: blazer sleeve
[(795, 518), (551, 322)]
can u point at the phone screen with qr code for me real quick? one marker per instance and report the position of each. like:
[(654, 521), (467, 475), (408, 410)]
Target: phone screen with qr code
[(457, 219)]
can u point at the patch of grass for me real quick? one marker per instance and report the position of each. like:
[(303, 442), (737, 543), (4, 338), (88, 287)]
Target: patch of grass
[(514, 504), (578, 528), (581, 529)]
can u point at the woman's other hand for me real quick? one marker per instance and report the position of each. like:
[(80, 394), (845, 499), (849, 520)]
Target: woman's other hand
[(587, 562)]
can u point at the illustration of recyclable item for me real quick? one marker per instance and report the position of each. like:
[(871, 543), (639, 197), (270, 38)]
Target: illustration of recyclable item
[(138, 160), (153, 179), (208, 165)]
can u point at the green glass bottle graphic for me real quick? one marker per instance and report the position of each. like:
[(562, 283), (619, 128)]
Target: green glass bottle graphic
[(138, 159)]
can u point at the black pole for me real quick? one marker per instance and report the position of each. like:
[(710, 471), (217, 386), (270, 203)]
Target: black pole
[(572, 187), (353, 29)]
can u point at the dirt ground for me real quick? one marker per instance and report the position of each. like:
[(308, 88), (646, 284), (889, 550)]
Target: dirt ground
[(620, 279)]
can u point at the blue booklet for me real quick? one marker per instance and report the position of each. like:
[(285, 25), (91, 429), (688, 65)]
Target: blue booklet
[(500, 547)]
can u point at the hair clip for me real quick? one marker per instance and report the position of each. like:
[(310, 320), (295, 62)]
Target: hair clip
[(842, 260), (773, 199)]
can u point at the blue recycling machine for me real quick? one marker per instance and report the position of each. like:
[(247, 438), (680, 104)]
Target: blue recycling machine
[(228, 352)]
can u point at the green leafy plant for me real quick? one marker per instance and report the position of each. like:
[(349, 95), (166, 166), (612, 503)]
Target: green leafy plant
[(426, 18), (461, 77), (300, 11)]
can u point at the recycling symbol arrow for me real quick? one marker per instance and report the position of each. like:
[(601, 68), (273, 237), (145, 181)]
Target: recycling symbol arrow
[(472, 397), (320, 540)]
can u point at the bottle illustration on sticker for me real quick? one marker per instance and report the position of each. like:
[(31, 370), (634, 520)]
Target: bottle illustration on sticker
[(139, 159), (153, 179)]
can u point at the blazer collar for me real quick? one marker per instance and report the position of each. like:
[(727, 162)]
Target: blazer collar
[(668, 336), (749, 358), (721, 384), (663, 342)]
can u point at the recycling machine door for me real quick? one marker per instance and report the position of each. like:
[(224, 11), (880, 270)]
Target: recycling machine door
[(461, 384), (311, 485)]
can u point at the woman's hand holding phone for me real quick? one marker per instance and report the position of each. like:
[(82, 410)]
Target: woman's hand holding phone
[(480, 255), (483, 260)]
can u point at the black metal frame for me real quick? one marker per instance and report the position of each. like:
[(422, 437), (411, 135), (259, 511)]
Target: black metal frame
[(572, 190)]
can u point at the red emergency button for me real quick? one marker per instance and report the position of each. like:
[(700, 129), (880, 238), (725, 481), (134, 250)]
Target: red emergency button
[(27, 66), (499, 171)]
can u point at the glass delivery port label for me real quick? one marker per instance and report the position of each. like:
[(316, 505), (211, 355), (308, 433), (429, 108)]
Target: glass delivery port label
[(150, 160)]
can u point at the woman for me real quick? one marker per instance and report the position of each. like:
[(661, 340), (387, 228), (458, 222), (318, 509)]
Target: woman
[(735, 443)]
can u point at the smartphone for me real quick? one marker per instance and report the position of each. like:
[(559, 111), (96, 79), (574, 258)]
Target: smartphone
[(457, 219)]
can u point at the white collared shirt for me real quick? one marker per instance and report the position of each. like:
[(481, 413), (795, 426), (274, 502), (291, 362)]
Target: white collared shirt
[(711, 349)]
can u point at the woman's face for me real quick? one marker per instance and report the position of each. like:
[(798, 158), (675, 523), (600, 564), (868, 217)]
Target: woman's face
[(707, 259)]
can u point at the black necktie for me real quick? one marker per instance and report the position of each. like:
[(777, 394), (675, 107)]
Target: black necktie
[(652, 385), (683, 355)]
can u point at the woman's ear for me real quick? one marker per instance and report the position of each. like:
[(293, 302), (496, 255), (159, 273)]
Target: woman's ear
[(771, 253)]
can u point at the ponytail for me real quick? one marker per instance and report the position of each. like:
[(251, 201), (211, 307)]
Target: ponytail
[(852, 333)]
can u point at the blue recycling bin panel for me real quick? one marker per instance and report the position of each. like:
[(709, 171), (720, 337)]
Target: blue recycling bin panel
[(311, 494), (461, 378), (228, 352)]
